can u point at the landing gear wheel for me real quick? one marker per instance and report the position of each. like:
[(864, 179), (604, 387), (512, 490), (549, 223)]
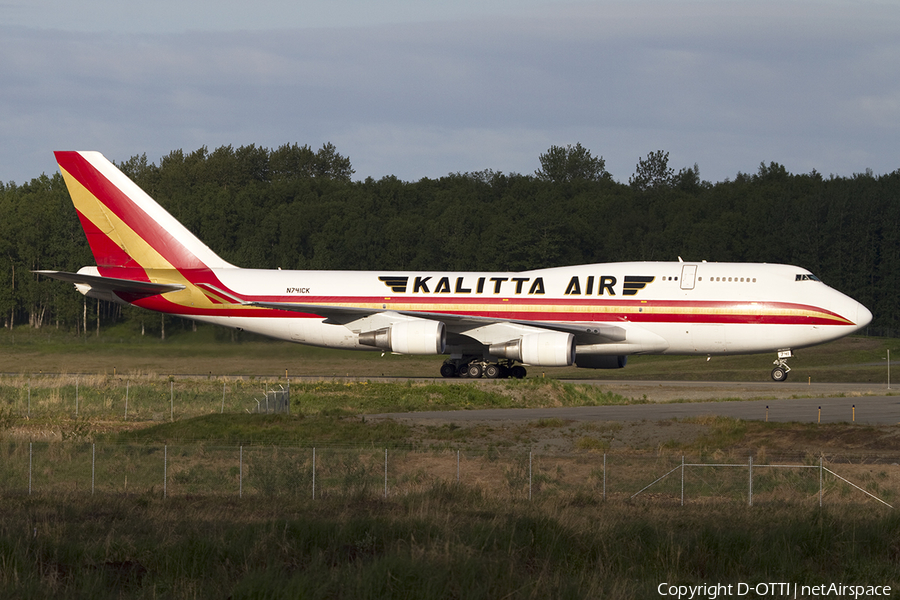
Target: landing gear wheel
[(518, 372), (448, 370), (781, 370), (462, 370), (492, 371), (474, 371), (779, 374)]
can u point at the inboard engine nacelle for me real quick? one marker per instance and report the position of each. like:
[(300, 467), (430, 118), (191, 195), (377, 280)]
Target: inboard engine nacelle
[(543, 349)]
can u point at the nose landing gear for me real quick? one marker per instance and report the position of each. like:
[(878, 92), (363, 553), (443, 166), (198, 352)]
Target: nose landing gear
[(781, 370)]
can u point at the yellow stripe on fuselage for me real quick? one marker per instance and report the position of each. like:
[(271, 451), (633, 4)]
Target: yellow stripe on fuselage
[(645, 309)]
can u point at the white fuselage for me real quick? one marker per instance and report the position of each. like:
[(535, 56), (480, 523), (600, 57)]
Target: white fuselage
[(663, 307)]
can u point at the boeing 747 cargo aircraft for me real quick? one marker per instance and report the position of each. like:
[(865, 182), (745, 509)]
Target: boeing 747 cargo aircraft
[(490, 324)]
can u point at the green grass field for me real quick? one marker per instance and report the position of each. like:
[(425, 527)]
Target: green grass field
[(444, 542)]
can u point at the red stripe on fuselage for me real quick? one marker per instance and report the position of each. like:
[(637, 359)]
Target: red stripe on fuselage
[(674, 311), (608, 312)]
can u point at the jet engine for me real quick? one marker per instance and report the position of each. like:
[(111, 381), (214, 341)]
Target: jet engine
[(543, 349), (416, 336), (600, 361)]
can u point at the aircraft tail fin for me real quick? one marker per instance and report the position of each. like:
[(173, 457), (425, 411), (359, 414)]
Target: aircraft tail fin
[(124, 226)]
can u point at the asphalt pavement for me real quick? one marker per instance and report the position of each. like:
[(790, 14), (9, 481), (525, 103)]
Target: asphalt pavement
[(834, 403)]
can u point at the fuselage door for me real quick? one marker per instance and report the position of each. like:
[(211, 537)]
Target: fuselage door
[(688, 276)]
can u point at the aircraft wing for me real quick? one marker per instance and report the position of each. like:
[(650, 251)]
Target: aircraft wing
[(462, 324), (113, 284)]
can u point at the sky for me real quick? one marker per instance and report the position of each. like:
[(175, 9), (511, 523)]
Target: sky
[(417, 89)]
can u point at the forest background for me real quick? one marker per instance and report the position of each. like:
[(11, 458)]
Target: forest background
[(295, 208)]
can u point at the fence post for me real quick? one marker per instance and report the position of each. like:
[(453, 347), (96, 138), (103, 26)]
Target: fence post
[(750, 484), (529, 475), (820, 481)]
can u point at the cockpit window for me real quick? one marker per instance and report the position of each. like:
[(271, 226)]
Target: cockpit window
[(806, 277)]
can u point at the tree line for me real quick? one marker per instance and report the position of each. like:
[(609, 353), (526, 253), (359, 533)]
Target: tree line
[(296, 208)]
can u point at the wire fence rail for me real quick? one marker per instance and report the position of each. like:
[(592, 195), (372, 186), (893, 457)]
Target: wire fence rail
[(138, 397), (317, 472), (749, 466)]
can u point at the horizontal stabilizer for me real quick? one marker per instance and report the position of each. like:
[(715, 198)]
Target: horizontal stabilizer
[(113, 284)]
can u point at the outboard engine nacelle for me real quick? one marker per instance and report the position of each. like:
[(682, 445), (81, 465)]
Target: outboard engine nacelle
[(416, 336), (544, 349)]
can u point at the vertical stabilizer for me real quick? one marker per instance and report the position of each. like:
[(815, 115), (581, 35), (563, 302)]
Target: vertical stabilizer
[(124, 226)]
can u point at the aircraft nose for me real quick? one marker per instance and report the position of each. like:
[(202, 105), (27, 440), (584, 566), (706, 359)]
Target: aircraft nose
[(863, 316)]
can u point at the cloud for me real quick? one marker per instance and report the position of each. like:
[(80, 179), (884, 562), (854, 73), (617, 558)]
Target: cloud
[(722, 84)]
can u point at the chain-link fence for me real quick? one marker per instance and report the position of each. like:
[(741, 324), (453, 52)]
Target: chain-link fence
[(588, 477)]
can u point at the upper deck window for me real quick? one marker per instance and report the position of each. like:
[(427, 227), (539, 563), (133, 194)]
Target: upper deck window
[(806, 277)]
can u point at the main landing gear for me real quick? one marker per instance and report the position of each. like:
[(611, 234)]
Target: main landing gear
[(781, 370), (474, 368)]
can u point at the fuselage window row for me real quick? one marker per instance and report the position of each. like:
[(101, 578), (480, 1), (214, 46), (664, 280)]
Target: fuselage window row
[(731, 279)]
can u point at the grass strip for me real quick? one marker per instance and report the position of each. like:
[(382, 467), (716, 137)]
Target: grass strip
[(447, 541)]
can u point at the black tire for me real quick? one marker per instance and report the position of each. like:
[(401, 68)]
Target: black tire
[(462, 370), (492, 371), (779, 374), (474, 371), (518, 372), (448, 370)]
